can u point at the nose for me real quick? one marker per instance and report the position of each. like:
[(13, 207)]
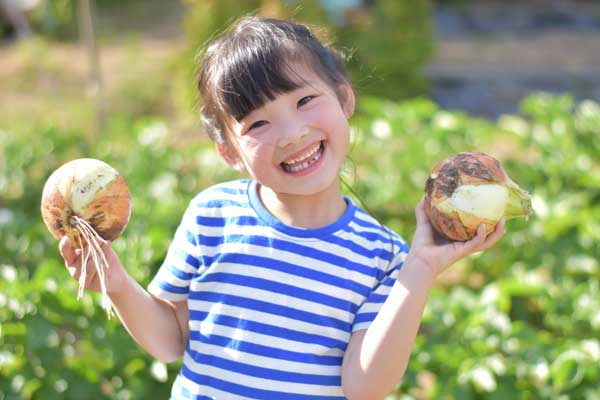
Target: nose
[(292, 131)]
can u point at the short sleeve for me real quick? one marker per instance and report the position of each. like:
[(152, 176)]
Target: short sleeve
[(369, 309), (181, 263)]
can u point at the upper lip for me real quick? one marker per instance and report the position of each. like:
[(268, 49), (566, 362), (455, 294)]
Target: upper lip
[(300, 153)]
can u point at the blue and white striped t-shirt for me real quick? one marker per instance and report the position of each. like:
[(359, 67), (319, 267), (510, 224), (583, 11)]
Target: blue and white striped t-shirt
[(272, 306)]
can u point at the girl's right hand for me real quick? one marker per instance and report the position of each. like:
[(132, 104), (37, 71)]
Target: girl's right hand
[(114, 275), (438, 253)]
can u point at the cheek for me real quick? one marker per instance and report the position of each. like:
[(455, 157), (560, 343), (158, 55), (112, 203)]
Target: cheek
[(341, 133), (256, 156), (332, 119)]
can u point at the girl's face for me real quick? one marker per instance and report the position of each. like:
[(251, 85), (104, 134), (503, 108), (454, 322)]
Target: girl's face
[(297, 143)]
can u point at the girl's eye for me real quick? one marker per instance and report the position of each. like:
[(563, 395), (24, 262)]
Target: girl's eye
[(305, 100), (257, 124)]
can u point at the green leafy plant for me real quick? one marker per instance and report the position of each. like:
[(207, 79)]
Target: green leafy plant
[(520, 321)]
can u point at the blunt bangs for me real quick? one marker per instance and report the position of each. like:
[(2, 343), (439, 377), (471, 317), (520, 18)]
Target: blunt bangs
[(254, 75)]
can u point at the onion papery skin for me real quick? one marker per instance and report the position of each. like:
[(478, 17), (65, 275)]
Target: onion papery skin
[(90, 189), (471, 171)]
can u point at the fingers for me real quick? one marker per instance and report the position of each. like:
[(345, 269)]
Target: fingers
[(90, 276), (476, 243), (72, 257), (497, 233), (482, 241), (69, 254)]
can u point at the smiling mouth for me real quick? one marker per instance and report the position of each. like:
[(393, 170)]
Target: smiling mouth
[(305, 160)]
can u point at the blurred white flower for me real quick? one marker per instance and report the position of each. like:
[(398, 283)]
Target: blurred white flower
[(582, 263), (540, 371), (445, 120), (497, 319), (592, 348), (6, 216), (209, 158), (540, 206), (163, 186), (51, 285), (9, 273), (490, 294), (514, 124), (595, 320), (541, 134), (153, 133), (17, 383), (159, 371), (381, 129), (497, 364), (61, 385), (512, 345), (589, 108), (483, 379), (583, 163), (6, 358), (448, 319)]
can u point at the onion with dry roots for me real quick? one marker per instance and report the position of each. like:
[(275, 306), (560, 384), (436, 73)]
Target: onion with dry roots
[(468, 189), (85, 199)]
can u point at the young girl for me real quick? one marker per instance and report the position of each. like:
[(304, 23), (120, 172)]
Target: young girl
[(278, 286)]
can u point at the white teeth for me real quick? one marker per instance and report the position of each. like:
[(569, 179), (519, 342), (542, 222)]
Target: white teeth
[(308, 158), (300, 167), (306, 155)]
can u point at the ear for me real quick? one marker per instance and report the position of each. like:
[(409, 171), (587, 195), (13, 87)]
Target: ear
[(233, 160), (347, 100)]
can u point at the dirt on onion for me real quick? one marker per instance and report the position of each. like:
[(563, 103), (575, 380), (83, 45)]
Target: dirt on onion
[(471, 188), (85, 199)]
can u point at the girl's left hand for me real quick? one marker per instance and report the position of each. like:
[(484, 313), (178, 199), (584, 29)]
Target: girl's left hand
[(438, 253)]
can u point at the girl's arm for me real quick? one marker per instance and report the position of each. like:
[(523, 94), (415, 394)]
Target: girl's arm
[(376, 358), (159, 326)]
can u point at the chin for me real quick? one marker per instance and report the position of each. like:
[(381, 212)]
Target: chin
[(314, 187)]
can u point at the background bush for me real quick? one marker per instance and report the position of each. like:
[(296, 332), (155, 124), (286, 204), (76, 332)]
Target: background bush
[(521, 321), (386, 42)]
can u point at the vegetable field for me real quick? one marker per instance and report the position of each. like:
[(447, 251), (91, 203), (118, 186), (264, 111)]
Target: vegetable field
[(523, 321)]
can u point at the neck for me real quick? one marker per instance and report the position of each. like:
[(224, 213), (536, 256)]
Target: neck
[(310, 211)]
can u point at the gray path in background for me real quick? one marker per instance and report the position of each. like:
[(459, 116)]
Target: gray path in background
[(490, 56)]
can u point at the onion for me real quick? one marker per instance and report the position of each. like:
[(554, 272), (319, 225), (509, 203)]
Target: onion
[(85, 199), (468, 189)]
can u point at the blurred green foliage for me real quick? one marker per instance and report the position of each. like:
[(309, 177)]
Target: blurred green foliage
[(367, 35), (56, 18), (521, 321), (53, 346)]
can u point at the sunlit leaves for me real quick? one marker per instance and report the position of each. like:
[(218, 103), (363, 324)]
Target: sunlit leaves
[(520, 321), (533, 300)]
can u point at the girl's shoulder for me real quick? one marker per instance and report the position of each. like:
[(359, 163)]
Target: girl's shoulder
[(372, 228), (223, 193), (221, 200)]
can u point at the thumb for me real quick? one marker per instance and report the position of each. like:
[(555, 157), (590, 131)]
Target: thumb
[(420, 213), (67, 251)]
